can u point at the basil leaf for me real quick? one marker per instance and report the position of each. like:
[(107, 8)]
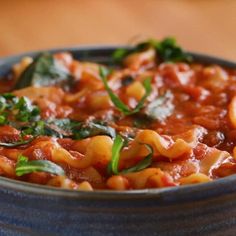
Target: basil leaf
[(92, 129), (167, 50), (26, 111), (147, 161), (116, 100), (24, 166), (35, 129), (44, 71), (16, 144), (116, 148), (119, 54), (113, 166), (19, 109)]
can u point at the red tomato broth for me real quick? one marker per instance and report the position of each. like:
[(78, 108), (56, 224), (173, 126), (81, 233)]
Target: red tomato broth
[(199, 98)]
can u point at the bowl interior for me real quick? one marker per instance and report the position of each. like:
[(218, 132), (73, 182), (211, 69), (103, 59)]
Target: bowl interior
[(102, 54)]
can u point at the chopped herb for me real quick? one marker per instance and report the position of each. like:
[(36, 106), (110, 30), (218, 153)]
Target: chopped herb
[(116, 148), (26, 111), (167, 50), (16, 144), (44, 71), (24, 166), (92, 129), (3, 119), (118, 103), (21, 109), (147, 161), (113, 167), (35, 129)]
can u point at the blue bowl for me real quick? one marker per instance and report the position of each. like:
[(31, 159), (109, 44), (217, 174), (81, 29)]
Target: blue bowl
[(201, 209)]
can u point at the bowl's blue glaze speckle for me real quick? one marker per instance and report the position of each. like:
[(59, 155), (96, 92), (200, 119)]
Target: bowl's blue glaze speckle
[(203, 209)]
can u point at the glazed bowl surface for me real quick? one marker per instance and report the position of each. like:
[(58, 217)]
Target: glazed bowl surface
[(201, 209)]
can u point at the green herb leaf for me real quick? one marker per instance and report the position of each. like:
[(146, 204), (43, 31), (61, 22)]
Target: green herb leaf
[(91, 129), (119, 54), (26, 111), (18, 109), (16, 144), (35, 129), (113, 167), (167, 50), (44, 71), (116, 100), (116, 148), (147, 161), (24, 166)]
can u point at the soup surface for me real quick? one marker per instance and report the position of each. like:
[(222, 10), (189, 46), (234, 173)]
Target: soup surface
[(154, 119)]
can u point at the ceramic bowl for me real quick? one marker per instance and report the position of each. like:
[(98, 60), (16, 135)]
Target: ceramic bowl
[(201, 209)]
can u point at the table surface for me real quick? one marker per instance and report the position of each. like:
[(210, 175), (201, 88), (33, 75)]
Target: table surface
[(199, 25)]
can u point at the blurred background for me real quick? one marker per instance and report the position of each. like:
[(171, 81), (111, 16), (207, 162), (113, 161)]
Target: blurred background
[(199, 25)]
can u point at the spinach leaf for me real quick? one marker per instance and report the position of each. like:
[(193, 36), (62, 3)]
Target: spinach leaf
[(116, 100), (85, 130), (44, 71), (113, 166), (62, 128), (24, 166)]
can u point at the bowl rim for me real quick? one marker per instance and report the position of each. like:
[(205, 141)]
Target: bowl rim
[(26, 187)]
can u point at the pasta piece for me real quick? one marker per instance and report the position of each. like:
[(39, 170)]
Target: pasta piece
[(81, 145), (225, 169), (195, 178), (167, 148), (160, 180), (212, 159), (85, 186), (98, 100), (12, 154), (18, 68), (193, 135), (40, 150), (232, 111), (9, 134), (61, 155), (62, 182), (135, 90), (7, 167), (70, 98), (136, 60), (179, 167), (98, 153), (215, 78), (145, 178), (53, 94), (38, 177), (118, 182)]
